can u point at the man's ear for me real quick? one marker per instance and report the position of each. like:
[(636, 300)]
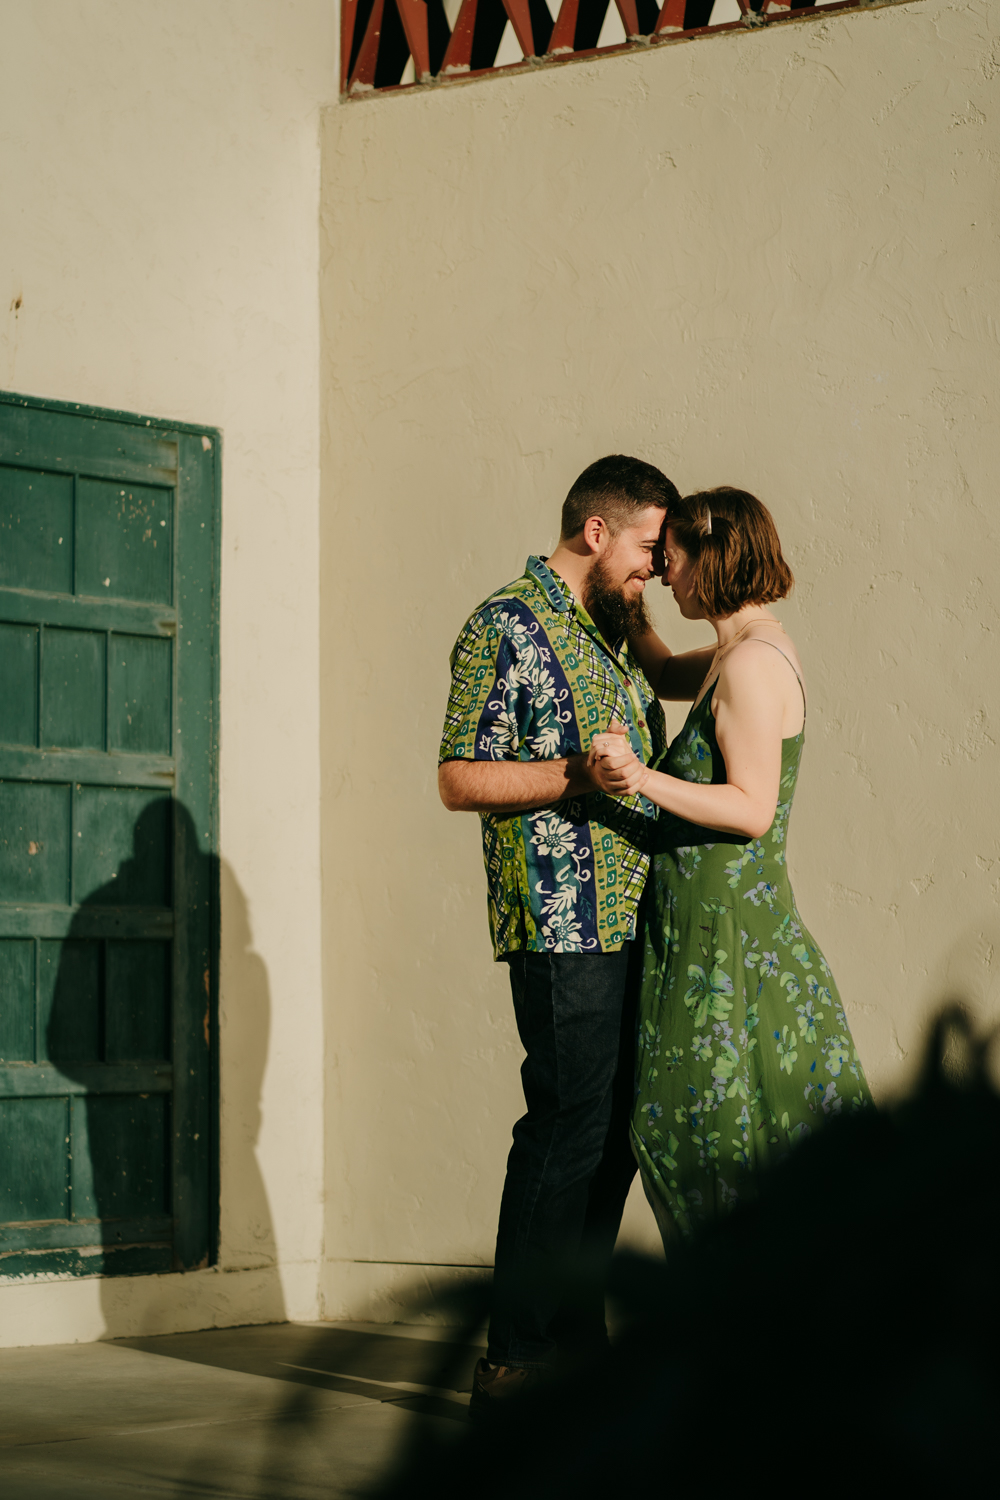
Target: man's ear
[(595, 534)]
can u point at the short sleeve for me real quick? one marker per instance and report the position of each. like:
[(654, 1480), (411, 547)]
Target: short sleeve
[(488, 709)]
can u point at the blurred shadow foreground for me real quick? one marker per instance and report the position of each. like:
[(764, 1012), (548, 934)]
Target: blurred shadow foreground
[(840, 1333)]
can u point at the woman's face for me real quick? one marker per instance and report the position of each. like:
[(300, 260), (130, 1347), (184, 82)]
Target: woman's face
[(678, 576)]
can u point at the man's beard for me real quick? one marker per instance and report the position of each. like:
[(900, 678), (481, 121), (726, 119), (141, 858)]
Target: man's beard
[(616, 612)]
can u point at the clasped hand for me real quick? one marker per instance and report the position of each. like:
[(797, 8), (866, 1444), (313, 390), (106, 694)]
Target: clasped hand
[(614, 765)]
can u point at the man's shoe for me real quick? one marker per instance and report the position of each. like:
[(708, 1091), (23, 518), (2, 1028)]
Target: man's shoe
[(493, 1388)]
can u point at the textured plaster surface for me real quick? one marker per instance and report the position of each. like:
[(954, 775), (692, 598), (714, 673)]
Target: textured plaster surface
[(767, 259), (158, 253)]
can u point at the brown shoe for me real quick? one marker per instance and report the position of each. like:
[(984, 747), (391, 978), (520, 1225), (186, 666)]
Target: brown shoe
[(493, 1388)]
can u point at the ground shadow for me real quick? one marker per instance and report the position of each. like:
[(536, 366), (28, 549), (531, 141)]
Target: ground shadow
[(328, 1373)]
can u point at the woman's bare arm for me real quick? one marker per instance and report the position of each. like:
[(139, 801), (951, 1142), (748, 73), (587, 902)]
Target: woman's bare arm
[(749, 710)]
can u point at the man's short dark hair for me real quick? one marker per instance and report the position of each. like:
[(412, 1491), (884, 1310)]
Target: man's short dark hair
[(617, 489)]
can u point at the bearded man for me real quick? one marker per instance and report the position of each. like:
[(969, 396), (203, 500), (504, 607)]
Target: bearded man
[(540, 669)]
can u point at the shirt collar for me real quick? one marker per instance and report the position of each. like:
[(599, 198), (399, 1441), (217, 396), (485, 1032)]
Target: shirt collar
[(555, 589), (562, 598)]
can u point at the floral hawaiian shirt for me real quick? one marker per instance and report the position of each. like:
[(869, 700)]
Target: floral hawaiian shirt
[(532, 678)]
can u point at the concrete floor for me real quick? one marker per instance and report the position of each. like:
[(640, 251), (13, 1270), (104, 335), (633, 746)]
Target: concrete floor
[(289, 1411)]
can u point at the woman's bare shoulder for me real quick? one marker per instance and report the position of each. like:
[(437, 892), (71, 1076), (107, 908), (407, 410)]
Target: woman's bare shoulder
[(747, 664)]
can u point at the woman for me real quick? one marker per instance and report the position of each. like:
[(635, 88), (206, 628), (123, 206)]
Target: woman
[(744, 1047)]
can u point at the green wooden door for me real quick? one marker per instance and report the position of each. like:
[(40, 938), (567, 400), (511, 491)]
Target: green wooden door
[(108, 726)]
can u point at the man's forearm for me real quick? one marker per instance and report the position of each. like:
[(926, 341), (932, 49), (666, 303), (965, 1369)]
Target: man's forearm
[(651, 653), (510, 786), (670, 675), (682, 675)]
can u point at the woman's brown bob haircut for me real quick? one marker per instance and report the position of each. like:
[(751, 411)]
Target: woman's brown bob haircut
[(733, 544)]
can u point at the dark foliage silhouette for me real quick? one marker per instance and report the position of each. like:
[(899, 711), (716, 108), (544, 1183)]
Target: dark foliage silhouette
[(735, 1363)]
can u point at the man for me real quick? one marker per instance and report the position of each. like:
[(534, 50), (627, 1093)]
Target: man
[(538, 670)]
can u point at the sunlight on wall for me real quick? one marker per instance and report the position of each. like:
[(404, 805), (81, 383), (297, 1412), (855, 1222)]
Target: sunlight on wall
[(762, 259)]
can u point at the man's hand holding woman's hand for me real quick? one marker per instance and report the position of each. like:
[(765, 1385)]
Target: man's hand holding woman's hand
[(614, 765)]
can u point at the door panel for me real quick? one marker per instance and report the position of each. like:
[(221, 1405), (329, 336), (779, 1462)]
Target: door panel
[(121, 846), (17, 1000), (36, 530), (138, 1002), (18, 684), (108, 874), (35, 1183), (123, 541), (34, 842), (73, 689), (120, 1157), (69, 1001), (139, 702)]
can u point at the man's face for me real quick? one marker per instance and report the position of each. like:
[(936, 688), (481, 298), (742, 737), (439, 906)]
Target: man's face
[(619, 574), (628, 561)]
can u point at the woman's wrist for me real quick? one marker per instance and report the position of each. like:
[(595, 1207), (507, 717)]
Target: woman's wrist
[(655, 787)]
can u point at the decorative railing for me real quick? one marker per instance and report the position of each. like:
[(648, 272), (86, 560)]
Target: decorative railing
[(398, 44)]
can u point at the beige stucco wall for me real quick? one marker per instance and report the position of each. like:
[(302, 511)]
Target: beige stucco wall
[(766, 259), (158, 219)]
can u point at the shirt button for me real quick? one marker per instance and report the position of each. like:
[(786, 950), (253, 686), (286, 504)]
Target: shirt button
[(641, 723)]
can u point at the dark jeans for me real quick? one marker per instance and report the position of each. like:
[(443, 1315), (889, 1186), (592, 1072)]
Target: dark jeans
[(571, 1164)]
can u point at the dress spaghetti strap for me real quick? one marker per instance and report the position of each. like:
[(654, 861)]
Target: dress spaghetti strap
[(802, 687), (707, 692)]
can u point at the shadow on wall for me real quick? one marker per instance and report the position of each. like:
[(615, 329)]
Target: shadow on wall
[(144, 1164), (247, 1227)]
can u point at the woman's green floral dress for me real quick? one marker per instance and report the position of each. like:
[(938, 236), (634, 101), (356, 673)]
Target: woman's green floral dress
[(743, 1044)]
